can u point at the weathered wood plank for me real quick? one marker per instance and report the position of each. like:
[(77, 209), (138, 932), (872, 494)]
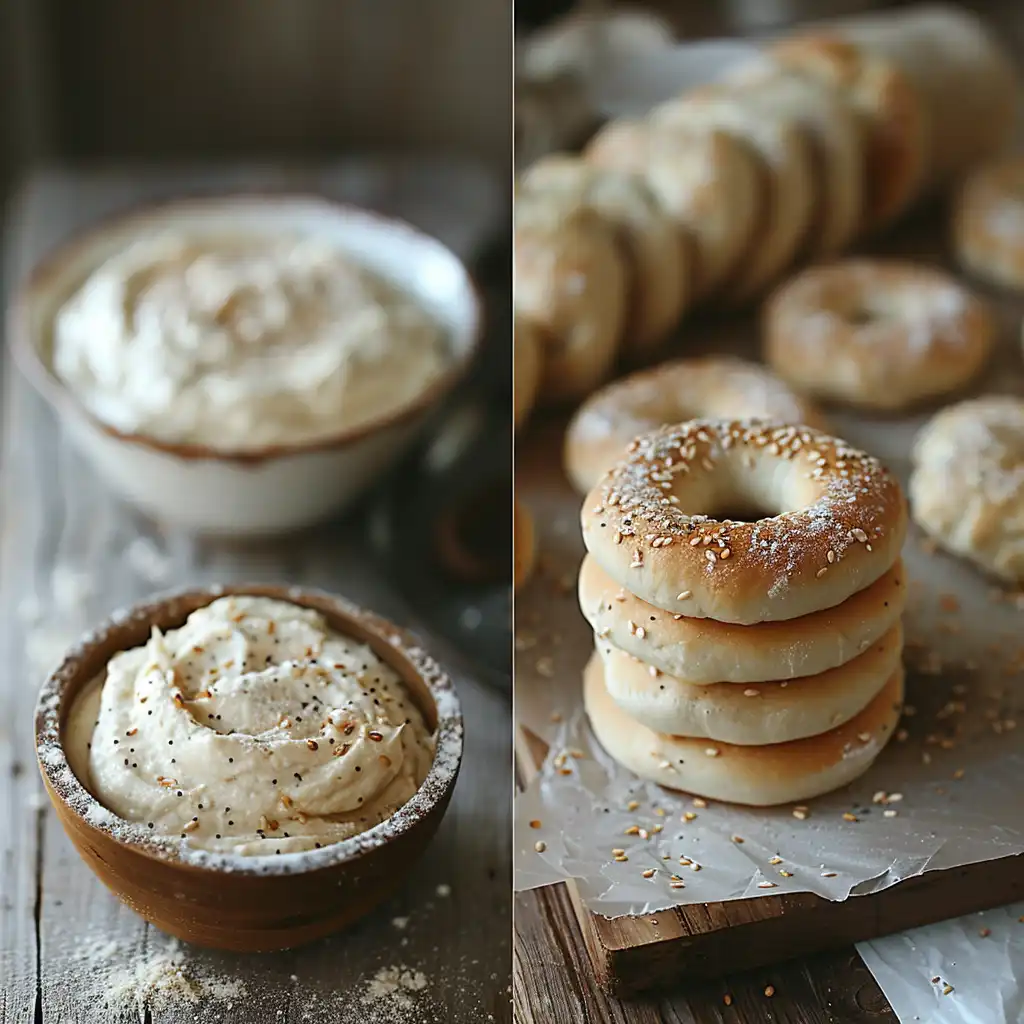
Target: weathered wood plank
[(68, 545)]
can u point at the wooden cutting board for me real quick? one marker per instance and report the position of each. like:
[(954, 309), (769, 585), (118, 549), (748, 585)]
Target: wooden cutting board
[(702, 941), (705, 940)]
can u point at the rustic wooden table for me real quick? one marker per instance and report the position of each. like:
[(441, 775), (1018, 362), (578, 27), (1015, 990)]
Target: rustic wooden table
[(69, 555)]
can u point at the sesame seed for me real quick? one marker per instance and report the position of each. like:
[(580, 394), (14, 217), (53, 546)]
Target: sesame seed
[(751, 692), (684, 595), (712, 751), (535, 823), (540, 846), (648, 873), (769, 991)]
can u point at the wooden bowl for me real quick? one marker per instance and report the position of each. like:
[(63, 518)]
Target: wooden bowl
[(230, 901)]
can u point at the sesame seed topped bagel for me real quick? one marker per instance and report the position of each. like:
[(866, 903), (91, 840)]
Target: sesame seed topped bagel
[(702, 651), (753, 714), (669, 393), (879, 334), (759, 776), (835, 522)]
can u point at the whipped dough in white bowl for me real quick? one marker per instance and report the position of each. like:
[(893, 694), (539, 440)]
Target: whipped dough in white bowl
[(246, 365), (252, 729)]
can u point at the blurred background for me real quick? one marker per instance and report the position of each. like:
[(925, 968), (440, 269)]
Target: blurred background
[(119, 79)]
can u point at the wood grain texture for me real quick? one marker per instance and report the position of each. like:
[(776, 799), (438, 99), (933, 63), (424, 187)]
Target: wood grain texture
[(55, 515), (554, 980)]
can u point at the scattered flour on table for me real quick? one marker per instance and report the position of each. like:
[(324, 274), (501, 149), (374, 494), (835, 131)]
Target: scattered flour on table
[(169, 980), (395, 988), (167, 977)]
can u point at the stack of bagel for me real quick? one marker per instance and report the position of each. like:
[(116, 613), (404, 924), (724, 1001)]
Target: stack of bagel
[(744, 584), (716, 194)]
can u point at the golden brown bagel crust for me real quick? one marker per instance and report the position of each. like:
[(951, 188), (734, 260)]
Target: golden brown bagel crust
[(837, 519), (758, 776), (754, 714), (702, 651), (878, 334), (894, 117), (712, 386)]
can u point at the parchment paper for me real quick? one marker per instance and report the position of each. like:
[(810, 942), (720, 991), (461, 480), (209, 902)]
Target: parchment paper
[(965, 658), (966, 971)]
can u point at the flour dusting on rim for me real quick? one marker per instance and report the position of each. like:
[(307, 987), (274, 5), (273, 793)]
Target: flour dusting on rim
[(66, 786)]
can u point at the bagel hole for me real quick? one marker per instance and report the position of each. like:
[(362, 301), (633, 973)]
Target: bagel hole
[(741, 513)]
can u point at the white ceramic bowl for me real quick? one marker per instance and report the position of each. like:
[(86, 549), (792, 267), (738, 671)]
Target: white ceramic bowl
[(272, 489)]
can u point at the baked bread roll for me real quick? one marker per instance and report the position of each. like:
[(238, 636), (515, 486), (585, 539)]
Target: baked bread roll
[(988, 223), (893, 117), (754, 714), (702, 651), (791, 190), (834, 135), (966, 80), (760, 776), (825, 520), (707, 181), (570, 280), (967, 484), (879, 334), (659, 277), (718, 387)]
